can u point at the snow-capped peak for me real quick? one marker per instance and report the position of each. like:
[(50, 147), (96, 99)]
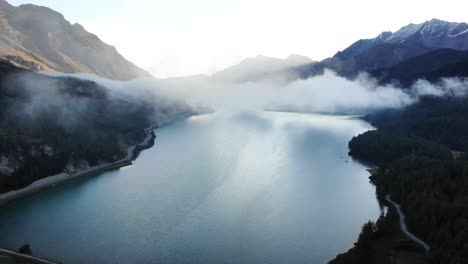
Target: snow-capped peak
[(384, 35), (432, 29), (404, 33)]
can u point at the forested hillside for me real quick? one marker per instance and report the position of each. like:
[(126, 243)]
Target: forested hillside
[(431, 66), (421, 154), (52, 124)]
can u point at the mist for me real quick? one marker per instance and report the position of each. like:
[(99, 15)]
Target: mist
[(445, 87), (75, 122), (73, 98), (327, 93)]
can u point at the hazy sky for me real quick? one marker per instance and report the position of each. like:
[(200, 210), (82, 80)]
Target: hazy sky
[(182, 37)]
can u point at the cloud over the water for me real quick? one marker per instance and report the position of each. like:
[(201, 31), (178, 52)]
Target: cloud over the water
[(327, 93)]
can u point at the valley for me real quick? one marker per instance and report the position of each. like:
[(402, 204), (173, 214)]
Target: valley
[(232, 206), (264, 161)]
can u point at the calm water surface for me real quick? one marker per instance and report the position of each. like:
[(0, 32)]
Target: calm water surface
[(251, 187)]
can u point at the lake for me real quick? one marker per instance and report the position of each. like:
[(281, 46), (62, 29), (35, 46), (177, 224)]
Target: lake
[(229, 187)]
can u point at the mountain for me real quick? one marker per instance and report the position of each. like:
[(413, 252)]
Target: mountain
[(434, 34), (40, 39), (389, 49), (260, 67), (459, 69), (431, 65)]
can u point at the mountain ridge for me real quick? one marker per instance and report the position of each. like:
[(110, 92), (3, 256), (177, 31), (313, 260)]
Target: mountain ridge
[(389, 49), (259, 67), (41, 39)]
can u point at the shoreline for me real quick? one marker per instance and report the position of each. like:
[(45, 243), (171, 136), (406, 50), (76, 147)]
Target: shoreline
[(49, 182), (28, 258), (132, 153)]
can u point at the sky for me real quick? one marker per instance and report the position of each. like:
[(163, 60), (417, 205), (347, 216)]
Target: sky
[(185, 37)]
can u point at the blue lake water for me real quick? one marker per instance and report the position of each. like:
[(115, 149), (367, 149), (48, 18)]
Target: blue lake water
[(247, 187)]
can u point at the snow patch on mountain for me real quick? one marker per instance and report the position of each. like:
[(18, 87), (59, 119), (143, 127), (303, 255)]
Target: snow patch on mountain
[(404, 33), (458, 34), (432, 29)]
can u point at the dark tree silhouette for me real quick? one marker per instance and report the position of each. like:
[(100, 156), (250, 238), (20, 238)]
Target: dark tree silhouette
[(25, 249)]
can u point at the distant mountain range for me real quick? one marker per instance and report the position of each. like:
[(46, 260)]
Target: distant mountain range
[(40, 39), (260, 67), (430, 50), (387, 55), (254, 69)]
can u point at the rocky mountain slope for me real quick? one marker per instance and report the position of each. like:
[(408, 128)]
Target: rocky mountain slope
[(389, 49), (41, 39)]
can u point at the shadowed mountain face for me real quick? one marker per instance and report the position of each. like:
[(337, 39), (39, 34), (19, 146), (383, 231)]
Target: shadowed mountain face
[(389, 49), (434, 34), (432, 66), (40, 39)]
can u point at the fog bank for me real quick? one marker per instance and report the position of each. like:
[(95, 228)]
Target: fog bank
[(327, 93)]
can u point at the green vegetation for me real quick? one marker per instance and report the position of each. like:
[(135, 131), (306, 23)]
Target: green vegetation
[(380, 147), (434, 197), (412, 149), (443, 120), (382, 243)]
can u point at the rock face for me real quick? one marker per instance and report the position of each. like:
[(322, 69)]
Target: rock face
[(76, 166), (39, 38), (8, 166)]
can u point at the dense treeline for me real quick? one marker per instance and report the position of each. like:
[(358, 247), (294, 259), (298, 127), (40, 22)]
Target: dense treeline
[(381, 243), (434, 196), (381, 147), (47, 123), (443, 120), (412, 149)]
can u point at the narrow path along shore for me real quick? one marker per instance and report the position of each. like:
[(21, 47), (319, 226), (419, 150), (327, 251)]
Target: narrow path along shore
[(25, 257), (404, 228), (51, 181), (61, 178)]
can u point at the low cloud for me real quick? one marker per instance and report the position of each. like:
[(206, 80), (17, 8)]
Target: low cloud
[(327, 93), (445, 87), (71, 102)]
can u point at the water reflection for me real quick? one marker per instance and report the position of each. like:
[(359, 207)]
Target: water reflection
[(249, 187)]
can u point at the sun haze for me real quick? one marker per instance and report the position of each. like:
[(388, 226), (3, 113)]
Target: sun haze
[(183, 37)]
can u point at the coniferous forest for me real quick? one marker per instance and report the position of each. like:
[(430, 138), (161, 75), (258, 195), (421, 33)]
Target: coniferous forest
[(420, 154), (47, 123)]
